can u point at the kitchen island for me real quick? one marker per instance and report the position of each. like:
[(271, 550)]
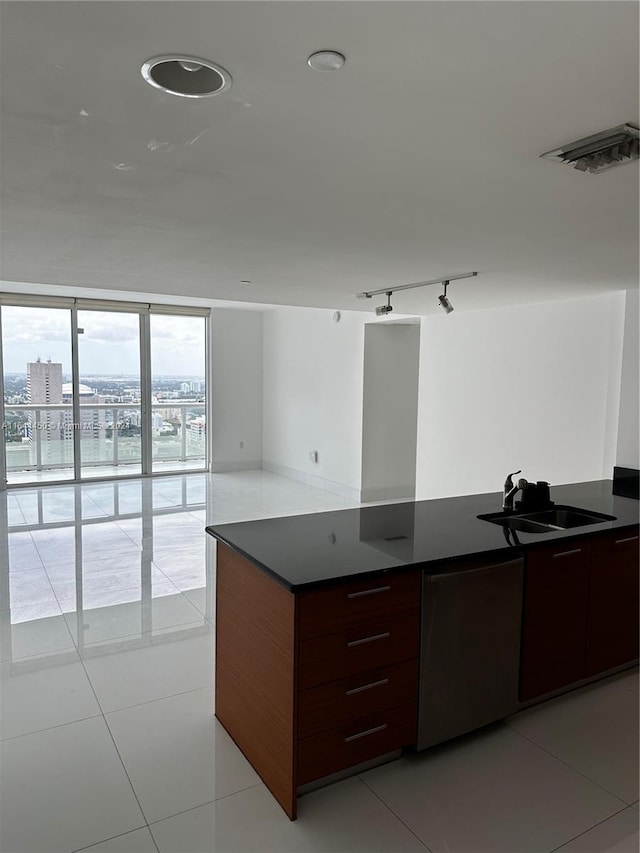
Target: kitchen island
[(319, 618)]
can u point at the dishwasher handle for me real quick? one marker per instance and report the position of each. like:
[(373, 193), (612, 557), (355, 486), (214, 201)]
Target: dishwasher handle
[(449, 576)]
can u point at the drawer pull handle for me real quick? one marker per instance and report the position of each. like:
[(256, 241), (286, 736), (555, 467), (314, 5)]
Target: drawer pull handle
[(368, 592), (364, 687), (369, 639), (630, 539), (366, 732), (566, 553)]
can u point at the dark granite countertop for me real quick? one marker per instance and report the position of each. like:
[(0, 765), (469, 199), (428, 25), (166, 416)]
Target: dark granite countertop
[(304, 551)]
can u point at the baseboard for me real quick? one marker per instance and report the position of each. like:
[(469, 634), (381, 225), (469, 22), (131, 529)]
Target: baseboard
[(313, 480), (388, 493), (348, 492), (236, 465)]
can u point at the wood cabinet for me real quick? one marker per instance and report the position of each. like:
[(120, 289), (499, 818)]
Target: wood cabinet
[(312, 683), (580, 611), (554, 618), (612, 623)]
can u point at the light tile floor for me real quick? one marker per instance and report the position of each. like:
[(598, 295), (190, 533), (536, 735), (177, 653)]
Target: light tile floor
[(109, 740)]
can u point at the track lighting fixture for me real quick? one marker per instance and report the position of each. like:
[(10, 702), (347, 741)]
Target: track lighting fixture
[(445, 304), (381, 310)]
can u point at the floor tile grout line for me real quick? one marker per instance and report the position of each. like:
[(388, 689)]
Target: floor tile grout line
[(591, 828), (96, 644), (104, 716), (85, 493), (50, 653), (178, 626), (159, 699), (153, 562), (208, 803), (50, 728), (115, 745), (566, 764), (397, 816), (62, 612), (130, 538), (112, 837)]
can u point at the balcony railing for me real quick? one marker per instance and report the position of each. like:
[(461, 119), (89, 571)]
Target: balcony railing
[(40, 437)]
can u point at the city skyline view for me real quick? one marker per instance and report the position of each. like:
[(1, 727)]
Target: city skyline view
[(110, 430), (113, 385), (39, 429)]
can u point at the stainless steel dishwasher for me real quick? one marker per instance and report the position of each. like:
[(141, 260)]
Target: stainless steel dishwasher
[(471, 616)]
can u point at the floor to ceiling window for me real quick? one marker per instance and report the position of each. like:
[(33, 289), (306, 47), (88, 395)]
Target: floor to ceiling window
[(100, 389), (109, 393), (178, 386), (36, 357)]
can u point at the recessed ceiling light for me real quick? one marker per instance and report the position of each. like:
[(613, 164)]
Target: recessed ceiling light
[(326, 60), (186, 76)]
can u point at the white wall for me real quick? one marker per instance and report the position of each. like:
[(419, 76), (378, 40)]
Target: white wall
[(628, 450), (390, 410), (534, 387), (313, 369), (236, 389)]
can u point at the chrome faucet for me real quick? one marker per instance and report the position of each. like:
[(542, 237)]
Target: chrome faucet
[(510, 490)]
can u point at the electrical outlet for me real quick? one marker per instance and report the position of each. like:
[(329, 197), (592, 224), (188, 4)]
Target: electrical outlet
[(313, 456), (241, 445)]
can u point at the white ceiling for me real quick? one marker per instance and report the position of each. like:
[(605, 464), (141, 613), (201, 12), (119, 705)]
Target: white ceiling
[(418, 159)]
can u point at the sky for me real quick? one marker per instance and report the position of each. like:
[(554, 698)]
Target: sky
[(109, 344)]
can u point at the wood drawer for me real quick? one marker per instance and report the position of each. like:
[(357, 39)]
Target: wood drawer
[(340, 702), (355, 742), (367, 646), (334, 608)]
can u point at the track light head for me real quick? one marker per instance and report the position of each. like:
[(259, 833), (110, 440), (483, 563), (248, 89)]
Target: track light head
[(381, 310), (446, 306)]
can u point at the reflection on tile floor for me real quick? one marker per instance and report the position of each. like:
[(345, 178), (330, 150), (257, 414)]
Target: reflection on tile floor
[(108, 736)]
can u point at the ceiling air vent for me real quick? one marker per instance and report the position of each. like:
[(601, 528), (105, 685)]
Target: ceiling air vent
[(600, 151)]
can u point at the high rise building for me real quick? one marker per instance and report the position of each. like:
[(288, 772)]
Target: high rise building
[(44, 381), (91, 420), (44, 386)]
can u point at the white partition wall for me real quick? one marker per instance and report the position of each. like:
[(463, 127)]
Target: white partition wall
[(236, 379), (313, 397), (628, 450), (536, 387), (390, 410)]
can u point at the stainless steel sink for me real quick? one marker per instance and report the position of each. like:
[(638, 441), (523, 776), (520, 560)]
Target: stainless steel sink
[(558, 518), (514, 522), (564, 517)]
